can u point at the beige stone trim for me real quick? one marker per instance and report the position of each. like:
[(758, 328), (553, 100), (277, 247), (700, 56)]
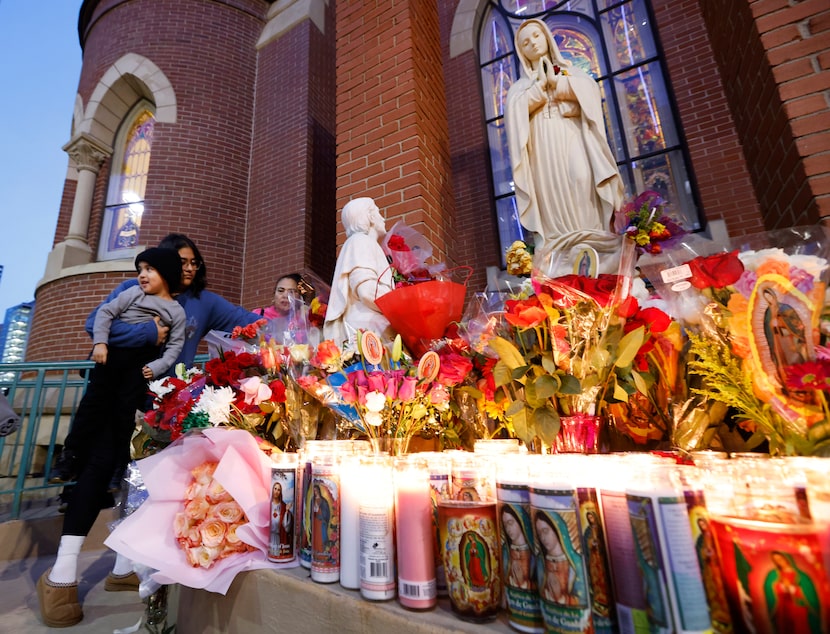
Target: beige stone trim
[(284, 15), (465, 25)]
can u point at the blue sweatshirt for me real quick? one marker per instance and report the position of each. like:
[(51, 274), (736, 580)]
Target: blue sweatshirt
[(206, 312)]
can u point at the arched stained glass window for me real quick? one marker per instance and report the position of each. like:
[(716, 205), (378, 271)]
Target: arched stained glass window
[(125, 195), (614, 42)]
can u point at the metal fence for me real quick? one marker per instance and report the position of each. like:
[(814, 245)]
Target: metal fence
[(45, 396)]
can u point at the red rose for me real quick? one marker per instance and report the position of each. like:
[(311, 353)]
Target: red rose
[(277, 391), (601, 288), (397, 243), (454, 368), (524, 313), (716, 271)]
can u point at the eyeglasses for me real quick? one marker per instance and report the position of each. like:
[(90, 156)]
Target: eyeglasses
[(191, 264)]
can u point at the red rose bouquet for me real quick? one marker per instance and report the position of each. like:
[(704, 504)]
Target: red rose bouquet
[(425, 299), (573, 347), (234, 390), (754, 317)]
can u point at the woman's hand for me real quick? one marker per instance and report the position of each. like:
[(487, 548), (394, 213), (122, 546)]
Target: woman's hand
[(161, 330), (99, 353)]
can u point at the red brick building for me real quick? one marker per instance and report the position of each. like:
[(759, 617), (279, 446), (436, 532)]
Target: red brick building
[(261, 119)]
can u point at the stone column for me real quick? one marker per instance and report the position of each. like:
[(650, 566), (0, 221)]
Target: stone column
[(88, 154)]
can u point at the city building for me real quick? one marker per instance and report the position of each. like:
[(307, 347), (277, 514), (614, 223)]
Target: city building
[(15, 332), (248, 124)]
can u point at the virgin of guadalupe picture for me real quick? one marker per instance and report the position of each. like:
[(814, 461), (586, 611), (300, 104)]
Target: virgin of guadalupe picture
[(475, 561), (791, 597), (782, 334)]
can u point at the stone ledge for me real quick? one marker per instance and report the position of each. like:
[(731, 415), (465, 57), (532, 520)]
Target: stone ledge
[(288, 601)]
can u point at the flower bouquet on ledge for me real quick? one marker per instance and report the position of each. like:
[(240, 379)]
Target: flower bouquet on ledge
[(235, 390), (756, 317), (206, 516), (381, 394), (569, 350), (425, 299)]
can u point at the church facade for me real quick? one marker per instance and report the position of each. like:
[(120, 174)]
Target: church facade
[(248, 124)]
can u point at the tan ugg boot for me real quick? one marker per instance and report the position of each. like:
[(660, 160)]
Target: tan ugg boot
[(59, 605), (121, 583)]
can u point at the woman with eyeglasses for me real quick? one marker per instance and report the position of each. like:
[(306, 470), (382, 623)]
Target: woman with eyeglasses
[(205, 311)]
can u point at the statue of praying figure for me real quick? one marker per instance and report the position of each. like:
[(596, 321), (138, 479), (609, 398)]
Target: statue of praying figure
[(361, 274), (566, 179)]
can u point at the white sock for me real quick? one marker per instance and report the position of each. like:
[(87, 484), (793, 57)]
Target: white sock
[(65, 569), (123, 565)]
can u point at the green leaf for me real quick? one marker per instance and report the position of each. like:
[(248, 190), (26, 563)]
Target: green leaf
[(546, 422), (620, 394), (508, 353), (629, 345), (546, 386), (548, 365), (502, 375), (519, 422), (640, 382), (518, 374), (514, 408), (570, 385)]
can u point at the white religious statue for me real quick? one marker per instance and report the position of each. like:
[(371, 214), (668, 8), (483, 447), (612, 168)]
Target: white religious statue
[(361, 274), (566, 180)]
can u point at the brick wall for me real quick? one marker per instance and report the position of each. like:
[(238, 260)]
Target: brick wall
[(774, 57), (291, 217), (391, 115), (199, 168), (721, 171), (477, 244)]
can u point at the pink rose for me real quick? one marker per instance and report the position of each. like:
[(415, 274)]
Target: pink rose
[(196, 509), (216, 493), (376, 382), (228, 512), (406, 392), (212, 533)]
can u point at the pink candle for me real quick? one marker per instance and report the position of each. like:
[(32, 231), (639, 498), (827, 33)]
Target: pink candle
[(416, 562)]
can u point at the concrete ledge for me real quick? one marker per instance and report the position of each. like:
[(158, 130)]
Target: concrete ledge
[(289, 601)]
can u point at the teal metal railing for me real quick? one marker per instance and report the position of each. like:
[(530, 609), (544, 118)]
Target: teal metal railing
[(45, 396)]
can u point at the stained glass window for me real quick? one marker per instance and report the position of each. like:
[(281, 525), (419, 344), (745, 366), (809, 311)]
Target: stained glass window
[(615, 43), (125, 196)]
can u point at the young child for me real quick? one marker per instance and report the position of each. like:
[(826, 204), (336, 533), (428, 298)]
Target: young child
[(116, 388), (159, 273)]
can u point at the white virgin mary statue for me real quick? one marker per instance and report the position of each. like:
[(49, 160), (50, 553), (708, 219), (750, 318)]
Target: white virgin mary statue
[(566, 180)]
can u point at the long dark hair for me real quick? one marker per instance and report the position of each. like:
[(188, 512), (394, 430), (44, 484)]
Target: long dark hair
[(178, 241)]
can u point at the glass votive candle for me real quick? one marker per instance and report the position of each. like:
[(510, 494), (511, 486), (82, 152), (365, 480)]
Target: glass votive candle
[(469, 543), (417, 582), (377, 529), (283, 535)]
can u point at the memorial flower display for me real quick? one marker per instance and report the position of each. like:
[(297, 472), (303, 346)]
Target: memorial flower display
[(233, 390), (383, 394), (754, 317)]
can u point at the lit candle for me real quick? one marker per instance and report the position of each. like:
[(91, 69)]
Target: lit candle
[(324, 513), (416, 561), (377, 529), (352, 483)]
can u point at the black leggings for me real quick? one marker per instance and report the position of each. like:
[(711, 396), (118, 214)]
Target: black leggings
[(102, 429)]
